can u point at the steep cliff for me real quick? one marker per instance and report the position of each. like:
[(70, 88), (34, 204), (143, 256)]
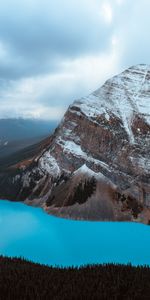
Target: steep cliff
[(96, 165)]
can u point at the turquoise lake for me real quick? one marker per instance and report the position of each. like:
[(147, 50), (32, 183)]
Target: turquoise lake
[(29, 232)]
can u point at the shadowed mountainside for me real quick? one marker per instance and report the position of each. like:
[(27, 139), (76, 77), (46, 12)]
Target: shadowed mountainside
[(17, 134)]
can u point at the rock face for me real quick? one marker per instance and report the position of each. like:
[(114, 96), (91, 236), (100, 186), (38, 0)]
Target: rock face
[(96, 165)]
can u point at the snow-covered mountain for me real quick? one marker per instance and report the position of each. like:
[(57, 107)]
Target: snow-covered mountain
[(96, 165)]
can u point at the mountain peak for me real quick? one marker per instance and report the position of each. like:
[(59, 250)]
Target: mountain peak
[(142, 67), (123, 96)]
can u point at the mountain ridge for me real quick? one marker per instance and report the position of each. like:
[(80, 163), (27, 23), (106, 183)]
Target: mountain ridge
[(106, 133)]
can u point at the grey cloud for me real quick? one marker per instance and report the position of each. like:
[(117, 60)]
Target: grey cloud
[(62, 92), (37, 35), (45, 46), (134, 33)]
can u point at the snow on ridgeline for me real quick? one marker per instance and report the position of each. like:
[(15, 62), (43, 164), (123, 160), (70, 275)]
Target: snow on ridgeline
[(85, 170)]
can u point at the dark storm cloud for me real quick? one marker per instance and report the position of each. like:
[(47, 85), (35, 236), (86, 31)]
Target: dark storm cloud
[(35, 36)]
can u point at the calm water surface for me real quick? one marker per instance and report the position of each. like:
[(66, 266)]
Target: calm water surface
[(29, 232)]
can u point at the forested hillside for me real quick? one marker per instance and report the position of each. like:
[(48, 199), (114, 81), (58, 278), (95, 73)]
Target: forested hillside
[(23, 280)]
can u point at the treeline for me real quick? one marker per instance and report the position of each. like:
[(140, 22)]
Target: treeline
[(82, 192), (23, 280)]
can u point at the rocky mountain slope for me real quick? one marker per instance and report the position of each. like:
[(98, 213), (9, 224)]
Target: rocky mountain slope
[(96, 165)]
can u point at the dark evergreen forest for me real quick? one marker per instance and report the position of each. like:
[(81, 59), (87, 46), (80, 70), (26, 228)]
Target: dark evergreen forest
[(24, 280)]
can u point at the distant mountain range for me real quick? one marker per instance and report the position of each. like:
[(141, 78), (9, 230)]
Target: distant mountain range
[(96, 165), (16, 134)]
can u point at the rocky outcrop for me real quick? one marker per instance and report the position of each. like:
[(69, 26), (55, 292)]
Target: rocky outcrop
[(96, 165)]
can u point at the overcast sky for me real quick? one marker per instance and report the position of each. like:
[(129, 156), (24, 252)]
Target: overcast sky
[(55, 51)]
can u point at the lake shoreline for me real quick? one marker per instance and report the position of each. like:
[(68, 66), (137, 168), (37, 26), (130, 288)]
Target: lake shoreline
[(31, 233)]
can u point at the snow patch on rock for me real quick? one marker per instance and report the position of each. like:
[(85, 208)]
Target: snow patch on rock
[(75, 149), (49, 164)]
